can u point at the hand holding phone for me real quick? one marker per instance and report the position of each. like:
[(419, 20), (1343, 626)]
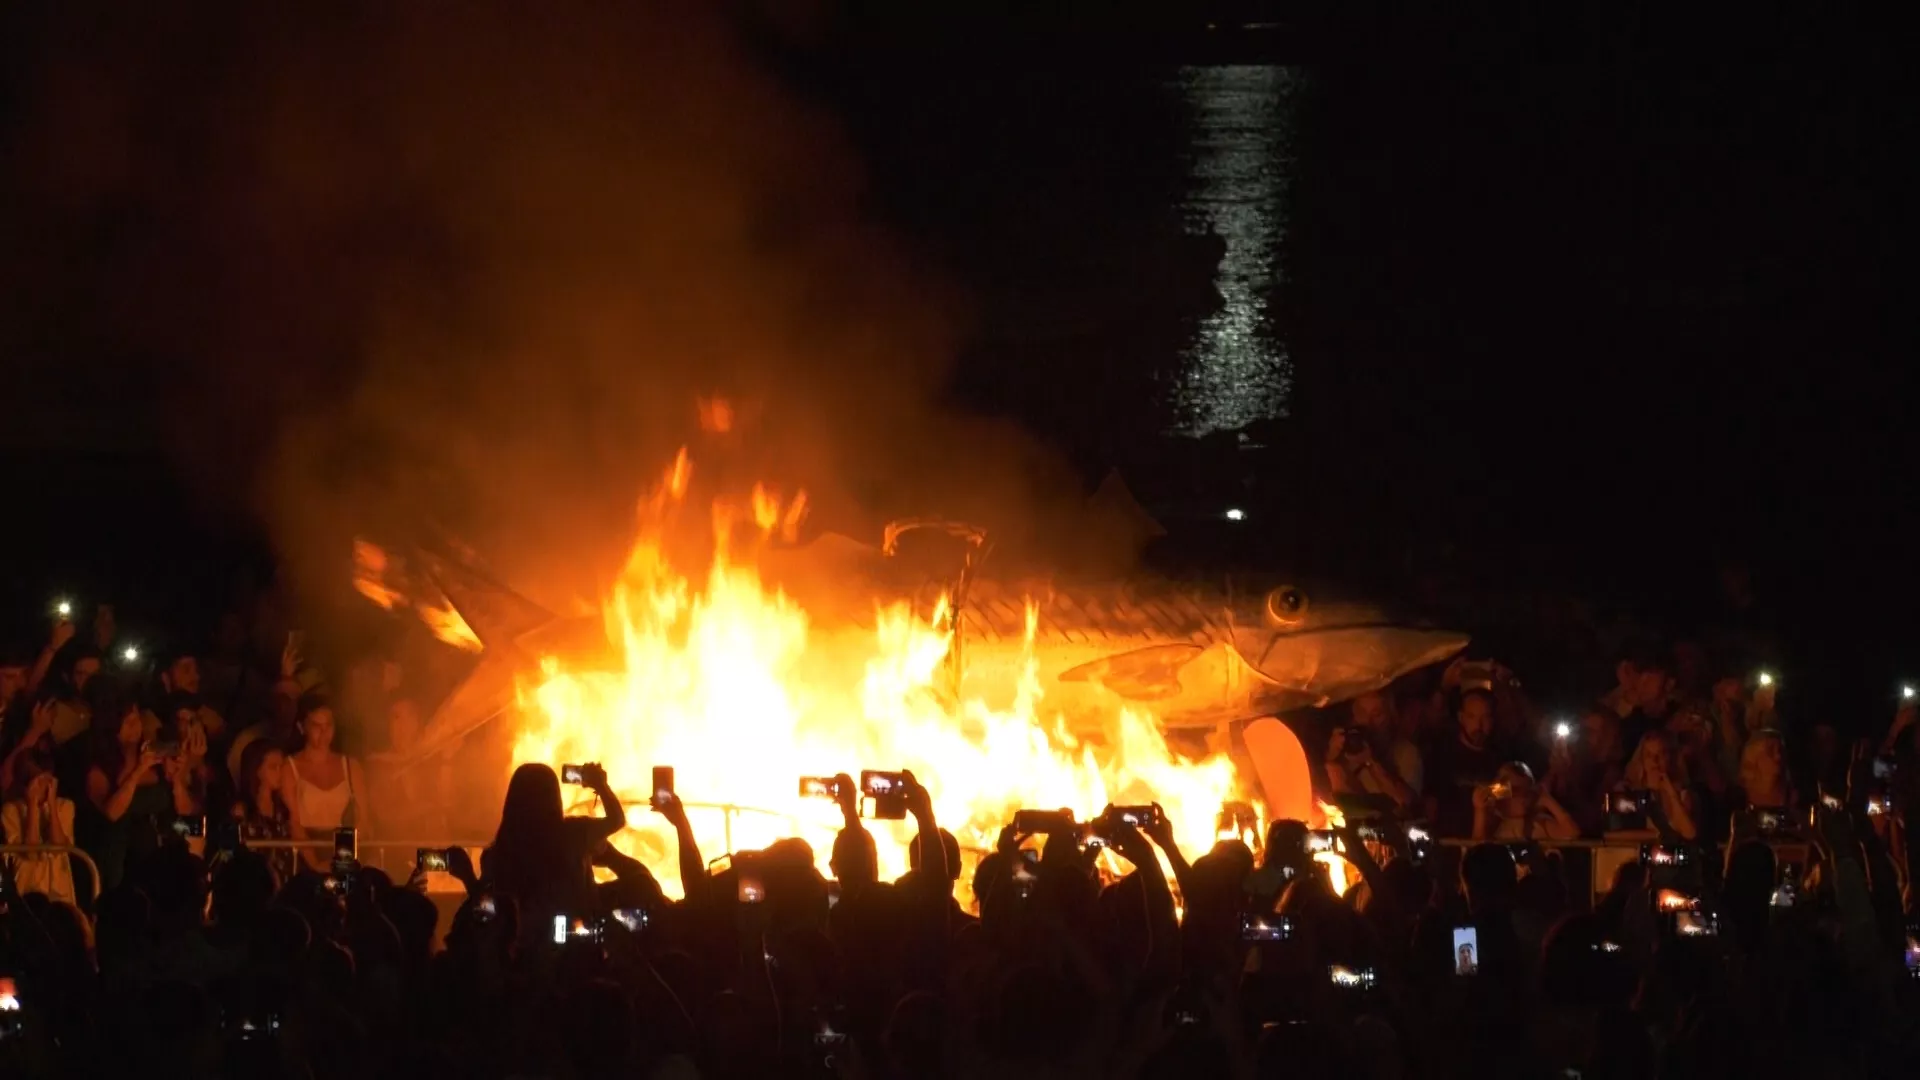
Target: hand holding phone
[(1043, 822), (662, 785), (887, 791), (820, 787), (430, 859)]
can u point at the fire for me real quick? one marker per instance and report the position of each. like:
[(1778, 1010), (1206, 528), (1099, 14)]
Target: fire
[(1335, 862), (732, 684), (716, 415), (369, 575), (373, 569), (448, 626)]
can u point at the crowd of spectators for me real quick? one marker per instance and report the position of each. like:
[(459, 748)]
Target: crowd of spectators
[(1763, 928)]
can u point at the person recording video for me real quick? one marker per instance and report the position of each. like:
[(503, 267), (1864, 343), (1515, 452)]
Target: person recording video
[(542, 856)]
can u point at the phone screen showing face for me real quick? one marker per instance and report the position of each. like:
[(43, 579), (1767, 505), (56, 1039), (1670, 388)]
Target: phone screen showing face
[(1466, 950)]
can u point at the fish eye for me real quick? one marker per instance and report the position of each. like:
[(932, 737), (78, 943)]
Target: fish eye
[(1287, 605)]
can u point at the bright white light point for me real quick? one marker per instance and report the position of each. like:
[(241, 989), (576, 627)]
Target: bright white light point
[(1766, 679), (1563, 729), (131, 654), (1906, 691), (1237, 514)]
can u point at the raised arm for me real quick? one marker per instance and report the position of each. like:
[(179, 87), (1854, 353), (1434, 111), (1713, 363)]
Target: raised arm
[(113, 797), (43, 664), (693, 872), (615, 815)]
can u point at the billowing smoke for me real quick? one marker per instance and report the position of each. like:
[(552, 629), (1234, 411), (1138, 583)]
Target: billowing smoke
[(384, 264)]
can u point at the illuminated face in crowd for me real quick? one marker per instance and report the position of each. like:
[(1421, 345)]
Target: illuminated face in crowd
[(1476, 720)]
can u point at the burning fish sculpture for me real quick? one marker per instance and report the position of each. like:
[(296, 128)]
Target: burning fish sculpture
[(1198, 658)]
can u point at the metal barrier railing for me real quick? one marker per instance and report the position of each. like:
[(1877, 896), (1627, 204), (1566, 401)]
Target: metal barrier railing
[(93, 868), (380, 849)]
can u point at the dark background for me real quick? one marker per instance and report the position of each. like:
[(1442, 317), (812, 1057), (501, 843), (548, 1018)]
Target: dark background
[(1585, 300)]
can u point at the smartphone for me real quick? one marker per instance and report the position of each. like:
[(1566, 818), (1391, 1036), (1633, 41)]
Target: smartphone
[(1661, 855), (888, 793), (1140, 817), (1883, 768), (1913, 951), (1876, 805), (568, 926), (1037, 822), (1419, 845), (1770, 821), (633, 918), (573, 774), (1627, 802), (166, 748), (752, 889), (1786, 893), (1025, 871), (346, 847), (1319, 840), (1466, 950), (251, 1027), (1832, 802), (1671, 900), (335, 885), (820, 787), (1696, 924), (10, 1007), (190, 827), (428, 859), (484, 909), (662, 784), (875, 784), (1351, 978), (1262, 926)]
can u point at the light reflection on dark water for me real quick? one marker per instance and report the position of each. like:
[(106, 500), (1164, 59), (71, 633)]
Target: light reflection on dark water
[(1235, 369)]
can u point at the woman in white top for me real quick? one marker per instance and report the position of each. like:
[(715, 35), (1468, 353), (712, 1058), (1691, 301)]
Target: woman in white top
[(326, 790), (36, 814)]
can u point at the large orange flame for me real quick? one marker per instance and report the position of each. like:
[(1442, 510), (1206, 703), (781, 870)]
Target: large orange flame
[(731, 684)]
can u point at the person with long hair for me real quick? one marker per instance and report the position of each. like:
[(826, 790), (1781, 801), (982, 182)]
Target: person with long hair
[(540, 855), (1514, 807), (1658, 768), (262, 812), (325, 787), (1763, 772), (34, 813), (131, 790)]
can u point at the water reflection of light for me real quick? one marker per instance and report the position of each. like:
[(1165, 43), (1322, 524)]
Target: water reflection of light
[(1236, 370)]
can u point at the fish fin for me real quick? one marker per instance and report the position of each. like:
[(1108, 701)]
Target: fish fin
[(1281, 764), (1149, 674), (495, 613)]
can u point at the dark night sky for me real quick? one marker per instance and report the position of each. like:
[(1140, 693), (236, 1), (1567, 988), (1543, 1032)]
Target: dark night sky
[(1609, 287)]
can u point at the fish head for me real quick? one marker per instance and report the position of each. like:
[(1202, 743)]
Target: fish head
[(1333, 651)]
